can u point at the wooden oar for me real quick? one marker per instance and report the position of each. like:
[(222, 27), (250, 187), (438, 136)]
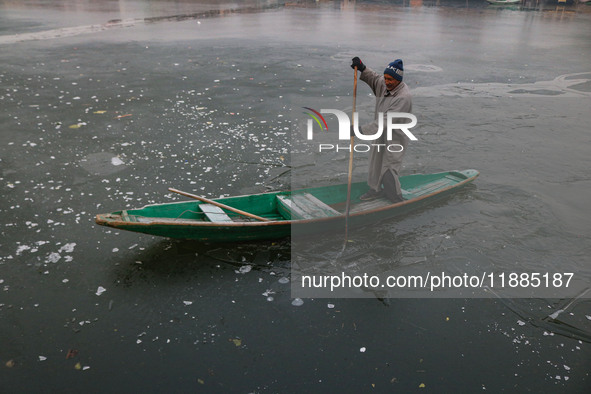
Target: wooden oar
[(352, 141), (217, 204)]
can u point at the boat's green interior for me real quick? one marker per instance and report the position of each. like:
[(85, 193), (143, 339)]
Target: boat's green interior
[(266, 204)]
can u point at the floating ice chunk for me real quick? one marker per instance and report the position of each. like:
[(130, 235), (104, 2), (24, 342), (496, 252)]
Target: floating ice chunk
[(68, 248), (100, 290), (297, 302), (330, 306), (244, 269), (363, 349), (53, 257), (187, 302), (42, 358), (21, 249), (521, 323), (116, 161), (283, 280)]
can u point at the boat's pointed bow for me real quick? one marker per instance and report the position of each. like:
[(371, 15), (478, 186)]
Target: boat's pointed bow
[(470, 173), (105, 219)]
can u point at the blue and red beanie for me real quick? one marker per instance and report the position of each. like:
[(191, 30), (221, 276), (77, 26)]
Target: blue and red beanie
[(395, 69)]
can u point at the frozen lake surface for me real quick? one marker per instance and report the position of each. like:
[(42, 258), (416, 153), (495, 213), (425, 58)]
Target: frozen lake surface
[(104, 105)]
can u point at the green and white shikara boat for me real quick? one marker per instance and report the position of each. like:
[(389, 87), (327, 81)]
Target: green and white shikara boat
[(276, 214)]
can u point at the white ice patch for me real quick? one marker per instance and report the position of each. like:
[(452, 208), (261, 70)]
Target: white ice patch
[(68, 248), (268, 292), (100, 290), (244, 269), (116, 161), (563, 85), (297, 302), (53, 257), (21, 249)]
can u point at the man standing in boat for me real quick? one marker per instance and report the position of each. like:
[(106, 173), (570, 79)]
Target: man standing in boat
[(392, 95)]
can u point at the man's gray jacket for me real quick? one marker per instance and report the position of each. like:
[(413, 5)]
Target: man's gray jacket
[(398, 100)]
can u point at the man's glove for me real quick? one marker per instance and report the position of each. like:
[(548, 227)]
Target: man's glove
[(357, 62)]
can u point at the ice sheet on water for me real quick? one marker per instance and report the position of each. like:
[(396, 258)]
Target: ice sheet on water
[(427, 68), (563, 85)]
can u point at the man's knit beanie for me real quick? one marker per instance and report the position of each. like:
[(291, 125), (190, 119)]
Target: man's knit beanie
[(395, 69)]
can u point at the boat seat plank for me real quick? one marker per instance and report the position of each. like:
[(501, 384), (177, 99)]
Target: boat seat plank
[(304, 206), (370, 205), (214, 213)]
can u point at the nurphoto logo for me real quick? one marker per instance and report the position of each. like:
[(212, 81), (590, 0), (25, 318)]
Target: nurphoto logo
[(345, 129)]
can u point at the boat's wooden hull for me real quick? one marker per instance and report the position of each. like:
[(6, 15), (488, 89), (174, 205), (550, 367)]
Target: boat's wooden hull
[(184, 220)]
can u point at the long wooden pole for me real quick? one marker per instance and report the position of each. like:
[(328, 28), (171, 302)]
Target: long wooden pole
[(352, 141), (217, 204)]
